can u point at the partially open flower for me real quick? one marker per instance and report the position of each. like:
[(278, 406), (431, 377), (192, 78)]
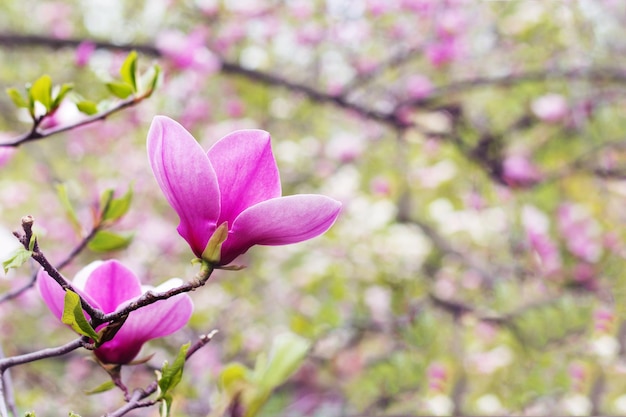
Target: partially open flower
[(234, 187), (109, 286)]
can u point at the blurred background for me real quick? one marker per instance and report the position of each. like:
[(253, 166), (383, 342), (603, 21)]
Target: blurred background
[(478, 150)]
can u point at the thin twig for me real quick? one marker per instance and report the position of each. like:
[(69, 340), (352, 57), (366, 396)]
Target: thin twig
[(12, 361), (136, 399), (35, 134)]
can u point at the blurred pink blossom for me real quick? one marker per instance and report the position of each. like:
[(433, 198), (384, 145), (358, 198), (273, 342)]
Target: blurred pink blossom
[(547, 251), (551, 108), (442, 52), (84, 50), (6, 154), (188, 51), (519, 171), (419, 86), (581, 233)]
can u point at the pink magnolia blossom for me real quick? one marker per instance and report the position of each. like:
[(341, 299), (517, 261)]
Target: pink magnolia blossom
[(6, 154), (188, 51), (109, 286), (236, 183), (519, 171), (84, 51), (551, 108)]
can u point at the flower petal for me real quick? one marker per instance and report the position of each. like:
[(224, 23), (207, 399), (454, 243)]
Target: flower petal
[(187, 179), (155, 320), (54, 296), (246, 171), (112, 284), (280, 221)]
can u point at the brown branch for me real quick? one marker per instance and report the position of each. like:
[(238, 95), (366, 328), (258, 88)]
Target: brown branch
[(36, 134), (12, 361), (136, 399)]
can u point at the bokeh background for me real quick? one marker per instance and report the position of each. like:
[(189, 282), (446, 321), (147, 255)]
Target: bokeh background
[(477, 147)]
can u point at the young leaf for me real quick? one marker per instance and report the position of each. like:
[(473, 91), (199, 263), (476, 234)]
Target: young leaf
[(212, 251), (108, 385), (88, 107), (74, 317), (118, 207), (29, 414), (128, 71), (171, 375), (118, 89), (18, 258), (105, 241), (60, 94), (73, 414), (41, 91), (149, 80), (17, 98), (69, 209)]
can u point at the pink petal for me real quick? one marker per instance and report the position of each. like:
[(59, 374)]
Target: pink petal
[(246, 171), (51, 292), (187, 179), (280, 221), (54, 296), (112, 284), (155, 320)]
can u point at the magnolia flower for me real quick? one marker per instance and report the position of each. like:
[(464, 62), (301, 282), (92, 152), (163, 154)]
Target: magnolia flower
[(235, 185), (109, 286)]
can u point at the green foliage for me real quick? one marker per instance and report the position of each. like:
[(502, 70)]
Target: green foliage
[(107, 241), (115, 208), (252, 388), (106, 386), (169, 377), (88, 107), (41, 91), (74, 317), (128, 71), (19, 257), (67, 205)]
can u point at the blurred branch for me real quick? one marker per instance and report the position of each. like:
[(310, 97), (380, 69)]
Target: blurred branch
[(17, 40), (597, 74)]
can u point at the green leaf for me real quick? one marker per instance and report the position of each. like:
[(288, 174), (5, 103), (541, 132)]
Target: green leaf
[(128, 71), (30, 414), (118, 207), (150, 79), (69, 209), (213, 249), (232, 377), (60, 94), (31, 242), (17, 98), (105, 241), (108, 385), (73, 414), (118, 89), (41, 91), (74, 317), (171, 375), (88, 107), (287, 353), (18, 258)]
